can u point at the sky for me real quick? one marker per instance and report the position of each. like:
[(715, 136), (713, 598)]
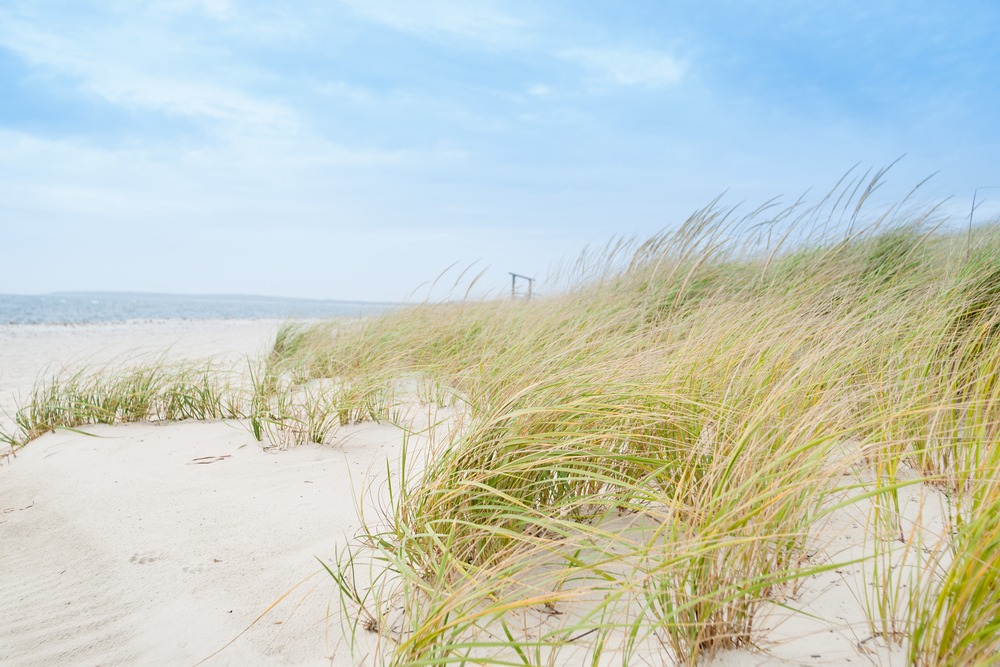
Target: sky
[(357, 149)]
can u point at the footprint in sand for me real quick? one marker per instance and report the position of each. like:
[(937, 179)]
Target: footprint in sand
[(198, 568), (144, 559)]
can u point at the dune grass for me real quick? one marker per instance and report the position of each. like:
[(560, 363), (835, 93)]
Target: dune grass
[(279, 408), (644, 458), (122, 394), (637, 467)]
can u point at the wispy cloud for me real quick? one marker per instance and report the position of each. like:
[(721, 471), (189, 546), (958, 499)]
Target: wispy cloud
[(221, 10), (395, 114), (218, 9), (114, 67), (487, 23), (628, 67)]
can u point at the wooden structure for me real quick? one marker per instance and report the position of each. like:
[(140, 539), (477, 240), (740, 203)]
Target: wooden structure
[(513, 284)]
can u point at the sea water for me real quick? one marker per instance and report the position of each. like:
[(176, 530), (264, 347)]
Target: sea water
[(95, 307)]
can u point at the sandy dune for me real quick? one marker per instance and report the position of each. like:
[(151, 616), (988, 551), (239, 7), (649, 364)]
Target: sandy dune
[(159, 544), (165, 544)]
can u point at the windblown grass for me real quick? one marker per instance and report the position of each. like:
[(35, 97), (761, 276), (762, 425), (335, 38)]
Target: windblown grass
[(643, 459), (636, 468), (279, 407), (116, 395)]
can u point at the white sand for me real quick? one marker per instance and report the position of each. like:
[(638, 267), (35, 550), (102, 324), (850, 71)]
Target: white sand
[(124, 549)]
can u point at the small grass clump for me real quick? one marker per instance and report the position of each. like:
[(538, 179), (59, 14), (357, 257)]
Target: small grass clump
[(279, 404), (287, 408), (118, 395)]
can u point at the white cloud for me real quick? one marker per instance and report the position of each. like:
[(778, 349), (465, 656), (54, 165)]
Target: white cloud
[(220, 10), (484, 22), (117, 65), (628, 67)]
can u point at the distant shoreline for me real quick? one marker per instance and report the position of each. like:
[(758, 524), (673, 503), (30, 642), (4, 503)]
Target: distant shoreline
[(74, 308), (181, 295)]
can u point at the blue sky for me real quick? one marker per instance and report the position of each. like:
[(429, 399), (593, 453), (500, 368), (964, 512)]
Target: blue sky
[(354, 149)]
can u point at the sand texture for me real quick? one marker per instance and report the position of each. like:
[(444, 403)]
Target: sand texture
[(160, 543)]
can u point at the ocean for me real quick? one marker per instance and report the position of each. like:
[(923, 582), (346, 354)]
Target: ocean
[(97, 307)]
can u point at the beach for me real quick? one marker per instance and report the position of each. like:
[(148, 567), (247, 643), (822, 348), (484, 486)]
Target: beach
[(499, 334), (162, 543), (191, 543)]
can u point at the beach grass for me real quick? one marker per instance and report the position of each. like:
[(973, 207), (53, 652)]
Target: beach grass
[(640, 465), (118, 394), (646, 459)]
